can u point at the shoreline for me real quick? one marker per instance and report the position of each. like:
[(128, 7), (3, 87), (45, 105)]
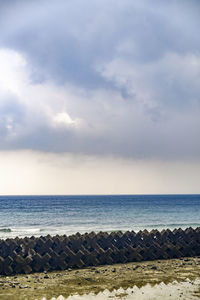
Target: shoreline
[(96, 279)]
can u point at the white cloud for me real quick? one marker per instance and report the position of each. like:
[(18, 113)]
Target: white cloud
[(63, 118)]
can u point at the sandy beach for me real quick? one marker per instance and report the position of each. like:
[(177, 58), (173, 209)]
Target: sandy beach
[(94, 280)]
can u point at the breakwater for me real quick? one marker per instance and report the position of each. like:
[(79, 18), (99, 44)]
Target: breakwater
[(48, 253)]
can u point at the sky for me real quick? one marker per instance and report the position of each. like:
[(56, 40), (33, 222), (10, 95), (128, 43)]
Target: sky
[(99, 97)]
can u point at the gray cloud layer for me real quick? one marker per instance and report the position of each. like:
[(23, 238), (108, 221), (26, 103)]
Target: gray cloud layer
[(101, 77)]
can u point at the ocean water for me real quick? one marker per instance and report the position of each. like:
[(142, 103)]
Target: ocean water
[(42, 215)]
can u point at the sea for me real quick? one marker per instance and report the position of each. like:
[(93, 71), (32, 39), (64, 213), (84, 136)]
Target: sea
[(42, 215)]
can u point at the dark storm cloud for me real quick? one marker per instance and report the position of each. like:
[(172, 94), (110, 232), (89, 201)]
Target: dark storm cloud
[(127, 71)]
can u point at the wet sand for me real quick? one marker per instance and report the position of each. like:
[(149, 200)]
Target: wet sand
[(97, 279)]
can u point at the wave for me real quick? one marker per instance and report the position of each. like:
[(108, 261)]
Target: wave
[(174, 225), (21, 230), (26, 229), (5, 230)]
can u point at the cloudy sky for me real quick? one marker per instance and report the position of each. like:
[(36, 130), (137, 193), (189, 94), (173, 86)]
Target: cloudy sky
[(99, 96)]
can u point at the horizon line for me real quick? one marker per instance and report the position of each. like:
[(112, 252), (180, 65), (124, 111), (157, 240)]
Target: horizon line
[(66, 195)]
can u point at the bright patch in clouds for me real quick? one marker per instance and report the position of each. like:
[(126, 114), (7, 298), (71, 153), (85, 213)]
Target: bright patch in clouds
[(64, 119)]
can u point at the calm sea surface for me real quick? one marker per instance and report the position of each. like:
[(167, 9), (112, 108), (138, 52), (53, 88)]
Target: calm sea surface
[(42, 215)]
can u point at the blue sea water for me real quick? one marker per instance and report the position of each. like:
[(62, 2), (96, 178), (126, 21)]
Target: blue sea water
[(42, 215)]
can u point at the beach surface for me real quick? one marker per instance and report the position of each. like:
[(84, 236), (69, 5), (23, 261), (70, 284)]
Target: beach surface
[(177, 277)]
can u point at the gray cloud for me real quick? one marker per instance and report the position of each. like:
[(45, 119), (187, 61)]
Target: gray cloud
[(126, 75), (65, 39)]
